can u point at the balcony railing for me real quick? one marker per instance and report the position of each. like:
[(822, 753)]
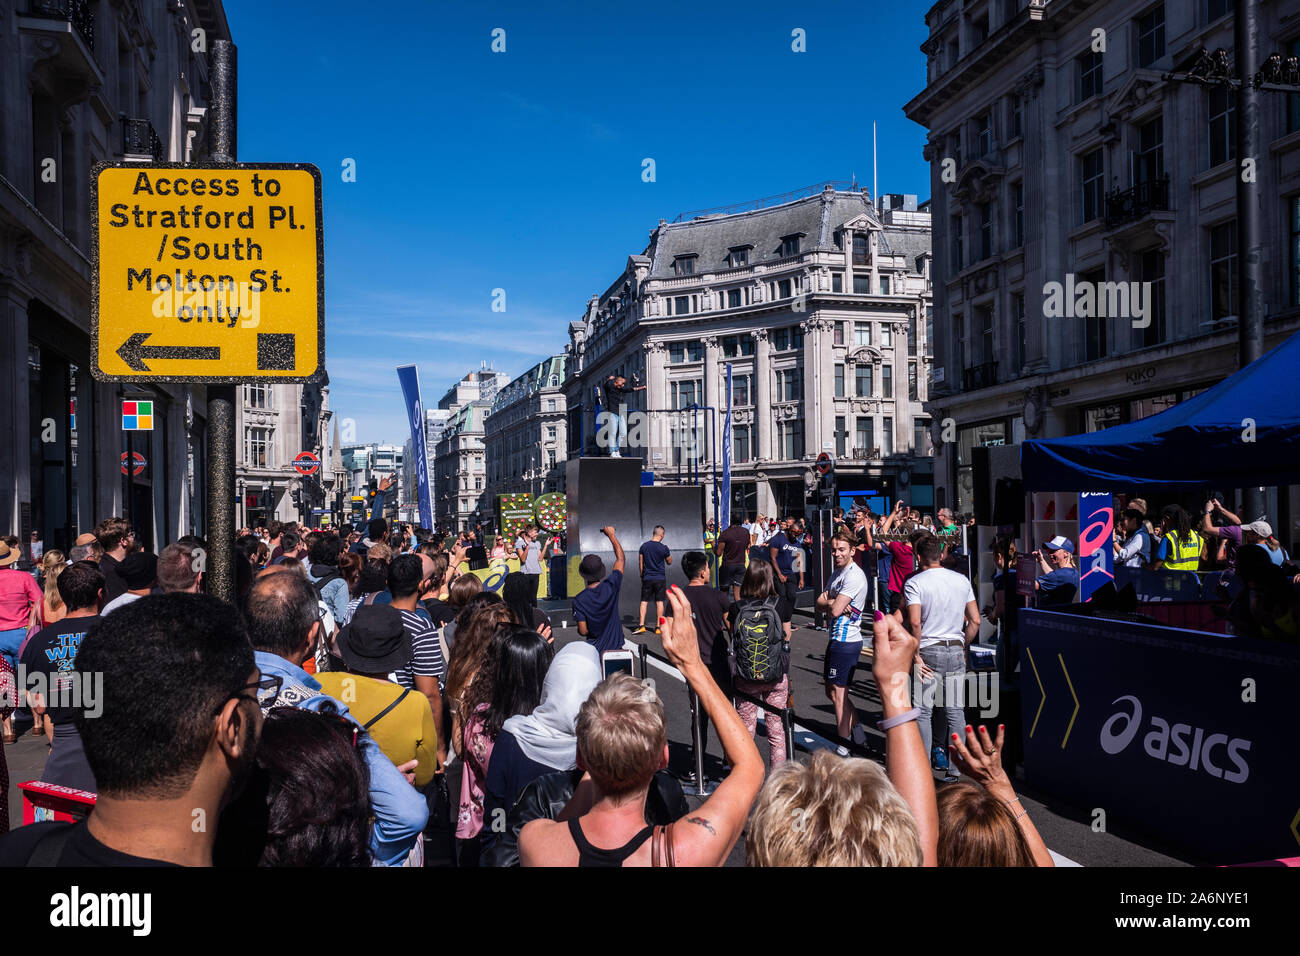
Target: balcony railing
[(140, 139), (76, 12), (1126, 205), (979, 376)]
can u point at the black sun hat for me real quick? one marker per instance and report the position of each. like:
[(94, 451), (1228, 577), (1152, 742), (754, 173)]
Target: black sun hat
[(375, 641)]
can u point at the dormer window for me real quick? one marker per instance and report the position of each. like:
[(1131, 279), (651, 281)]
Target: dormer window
[(790, 245), (684, 265), (738, 256)]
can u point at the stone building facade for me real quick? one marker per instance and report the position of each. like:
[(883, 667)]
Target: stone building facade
[(524, 434)]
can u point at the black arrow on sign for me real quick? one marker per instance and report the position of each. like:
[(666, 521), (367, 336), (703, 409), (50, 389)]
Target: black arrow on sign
[(133, 352)]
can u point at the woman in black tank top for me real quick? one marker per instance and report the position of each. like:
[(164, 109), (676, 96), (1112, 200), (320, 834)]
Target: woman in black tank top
[(589, 855)]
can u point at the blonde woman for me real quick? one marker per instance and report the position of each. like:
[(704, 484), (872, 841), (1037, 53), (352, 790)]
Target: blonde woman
[(53, 609)]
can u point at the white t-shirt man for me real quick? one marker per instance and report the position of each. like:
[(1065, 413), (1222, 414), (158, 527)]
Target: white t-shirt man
[(120, 601), (759, 530), (851, 581), (943, 596), (532, 555)]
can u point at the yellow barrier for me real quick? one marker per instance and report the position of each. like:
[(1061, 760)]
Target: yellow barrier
[(494, 575)]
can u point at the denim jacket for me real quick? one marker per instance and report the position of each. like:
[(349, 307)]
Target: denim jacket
[(401, 811)]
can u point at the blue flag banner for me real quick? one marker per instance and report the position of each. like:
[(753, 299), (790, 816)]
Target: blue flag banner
[(409, 376), (724, 506), (1096, 534)]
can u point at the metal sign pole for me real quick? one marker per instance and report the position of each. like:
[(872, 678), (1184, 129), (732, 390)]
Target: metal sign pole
[(220, 531)]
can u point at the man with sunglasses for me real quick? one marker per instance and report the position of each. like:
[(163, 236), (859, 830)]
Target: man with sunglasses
[(180, 665), (284, 626)]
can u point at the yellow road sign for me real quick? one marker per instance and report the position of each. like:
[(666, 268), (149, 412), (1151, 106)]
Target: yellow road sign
[(208, 273)]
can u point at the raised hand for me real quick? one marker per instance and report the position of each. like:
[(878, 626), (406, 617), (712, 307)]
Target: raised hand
[(681, 643)]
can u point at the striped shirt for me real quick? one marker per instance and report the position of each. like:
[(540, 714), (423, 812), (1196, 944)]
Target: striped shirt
[(426, 660)]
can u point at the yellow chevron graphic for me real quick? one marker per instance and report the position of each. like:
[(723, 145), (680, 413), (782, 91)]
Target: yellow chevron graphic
[(1030, 655), (1076, 701)]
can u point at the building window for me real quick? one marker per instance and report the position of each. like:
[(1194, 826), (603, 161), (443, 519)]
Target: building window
[(986, 229), (1090, 75), (984, 316), (911, 333), (983, 135), (735, 345), (742, 390), (839, 379), (684, 265), (837, 282), (1151, 35), (841, 436), (1018, 307), (681, 305), (790, 439), (886, 381), (884, 285), (1017, 215), (864, 437), (1295, 249), (789, 385), (780, 340), (862, 380), (478, 484), (1223, 271), (257, 396), (954, 52), (1223, 125), (1094, 323), (1149, 161), (738, 257), (861, 284), (861, 250), (258, 445), (1015, 116), (911, 382), (733, 298), (954, 146), (919, 428), (691, 351), (784, 289), (1293, 99), (886, 336), (742, 447), (1219, 8), (550, 433), (1151, 268), (861, 333), (979, 30), (887, 436), (789, 247), (839, 333), (1091, 183), (686, 394), (958, 252)]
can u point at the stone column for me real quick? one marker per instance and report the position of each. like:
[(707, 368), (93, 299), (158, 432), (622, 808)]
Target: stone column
[(848, 261), (713, 398), (653, 428), (815, 388), (763, 388), (15, 438)]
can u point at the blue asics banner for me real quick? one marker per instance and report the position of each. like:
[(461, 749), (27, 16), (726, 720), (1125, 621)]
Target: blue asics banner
[(1181, 734), (409, 376), (724, 505), (1096, 534)]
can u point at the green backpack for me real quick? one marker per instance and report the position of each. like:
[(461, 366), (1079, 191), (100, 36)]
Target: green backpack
[(756, 639)]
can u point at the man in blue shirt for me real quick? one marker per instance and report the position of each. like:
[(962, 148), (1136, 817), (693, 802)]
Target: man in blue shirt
[(652, 562), (781, 552), (595, 608), (1060, 581), (284, 628)]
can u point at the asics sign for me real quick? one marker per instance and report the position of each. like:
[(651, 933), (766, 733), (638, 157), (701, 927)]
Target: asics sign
[(1203, 751)]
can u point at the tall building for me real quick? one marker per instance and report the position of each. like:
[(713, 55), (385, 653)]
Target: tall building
[(817, 303), (83, 83), (459, 470), (524, 435), (435, 422), (273, 425), (1089, 271)]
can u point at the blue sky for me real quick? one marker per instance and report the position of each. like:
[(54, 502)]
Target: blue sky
[(522, 170)]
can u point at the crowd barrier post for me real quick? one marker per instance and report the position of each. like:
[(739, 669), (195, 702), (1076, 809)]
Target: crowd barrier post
[(701, 782)]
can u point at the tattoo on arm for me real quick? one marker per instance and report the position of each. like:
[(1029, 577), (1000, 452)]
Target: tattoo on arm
[(704, 823)]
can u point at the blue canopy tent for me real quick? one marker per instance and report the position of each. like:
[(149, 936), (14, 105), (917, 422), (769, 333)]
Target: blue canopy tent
[(1202, 443)]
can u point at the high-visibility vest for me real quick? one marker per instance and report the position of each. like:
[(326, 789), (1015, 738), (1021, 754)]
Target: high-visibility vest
[(1184, 554)]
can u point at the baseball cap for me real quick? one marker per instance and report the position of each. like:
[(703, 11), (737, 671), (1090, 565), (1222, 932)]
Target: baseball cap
[(1059, 543), (1260, 527), (138, 570), (592, 567)]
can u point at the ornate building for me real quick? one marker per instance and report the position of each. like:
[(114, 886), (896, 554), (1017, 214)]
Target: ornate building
[(524, 434), (1088, 275), (819, 304)]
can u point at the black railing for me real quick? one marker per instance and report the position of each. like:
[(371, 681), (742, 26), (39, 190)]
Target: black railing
[(76, 12), (979, 376), (1125, 205), (140, 139)]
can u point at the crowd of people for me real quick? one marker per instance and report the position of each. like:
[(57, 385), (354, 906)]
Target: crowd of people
[(363, 700)]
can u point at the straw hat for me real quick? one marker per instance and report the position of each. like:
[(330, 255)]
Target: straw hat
[(8, 555)]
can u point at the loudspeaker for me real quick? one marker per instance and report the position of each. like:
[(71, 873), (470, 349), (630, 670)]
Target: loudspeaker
[(1009, 502), (981, 479)]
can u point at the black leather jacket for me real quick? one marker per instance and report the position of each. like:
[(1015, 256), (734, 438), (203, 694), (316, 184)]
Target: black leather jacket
[(546, 796)]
